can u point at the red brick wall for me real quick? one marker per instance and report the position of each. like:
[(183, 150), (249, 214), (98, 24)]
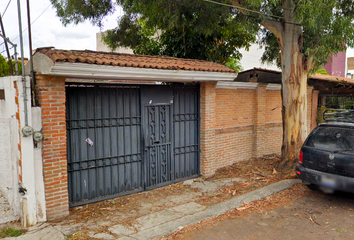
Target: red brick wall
[(248, 124), (51, 97), (207, 128), (273, 106), (235, 107), (314, 109), (274, 129)]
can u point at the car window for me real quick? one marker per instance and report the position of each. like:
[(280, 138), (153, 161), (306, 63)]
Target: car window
[(332, 138)]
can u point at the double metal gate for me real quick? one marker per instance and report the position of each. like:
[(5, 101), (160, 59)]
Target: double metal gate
[(126, 139)]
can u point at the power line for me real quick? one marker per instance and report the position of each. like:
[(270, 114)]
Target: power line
[(231, 6), (33, 21), (242, 8), (196, 6), (250, 10), (6, 8), (5, 50)]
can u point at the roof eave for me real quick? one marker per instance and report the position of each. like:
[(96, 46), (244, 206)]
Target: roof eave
[(94, 71)]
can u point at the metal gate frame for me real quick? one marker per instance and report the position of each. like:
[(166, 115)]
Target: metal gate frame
[(174, 116)]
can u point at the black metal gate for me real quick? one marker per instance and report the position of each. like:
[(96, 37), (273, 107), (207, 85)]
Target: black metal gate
[(125, 139), (158, 123)]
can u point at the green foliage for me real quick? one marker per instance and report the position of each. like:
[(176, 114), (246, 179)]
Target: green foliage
[(320, 112), (10, 232), (326, 26), (234, 64), (203, 30), (75, 11), (182, 28), (340, 102), (322, 71), (5, 67)]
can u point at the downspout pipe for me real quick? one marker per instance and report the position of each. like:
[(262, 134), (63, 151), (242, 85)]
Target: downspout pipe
[(23, 63)]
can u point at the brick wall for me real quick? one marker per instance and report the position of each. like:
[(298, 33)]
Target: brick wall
[(314, 109), (248, 123), (51, 97), (207, 128)]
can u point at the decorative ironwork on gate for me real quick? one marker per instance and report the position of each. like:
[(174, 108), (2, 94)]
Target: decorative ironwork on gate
[(117, 145), (104, 142)]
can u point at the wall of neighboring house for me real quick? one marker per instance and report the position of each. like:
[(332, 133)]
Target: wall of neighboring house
[(9, 198), (248, 122), (101, 46), (20, 161), (337, 65)]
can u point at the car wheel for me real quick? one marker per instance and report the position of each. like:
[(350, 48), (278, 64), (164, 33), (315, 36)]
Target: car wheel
[(312, 186)]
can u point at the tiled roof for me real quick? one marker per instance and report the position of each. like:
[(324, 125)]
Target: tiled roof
[(132, 60), (319, 77), (332, 79)]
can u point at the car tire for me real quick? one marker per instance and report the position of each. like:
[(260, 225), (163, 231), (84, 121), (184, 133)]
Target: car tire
[(312, 186)]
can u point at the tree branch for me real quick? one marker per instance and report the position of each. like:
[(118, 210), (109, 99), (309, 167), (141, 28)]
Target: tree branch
[(274, 26)]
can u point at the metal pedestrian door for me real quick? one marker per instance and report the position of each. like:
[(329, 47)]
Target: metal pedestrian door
[(158, 125)]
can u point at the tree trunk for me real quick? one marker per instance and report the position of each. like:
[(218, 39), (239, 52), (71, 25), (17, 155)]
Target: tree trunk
[(294, 91), (295, 67)]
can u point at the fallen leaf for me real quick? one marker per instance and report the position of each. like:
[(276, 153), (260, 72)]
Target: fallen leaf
[(243, 208)]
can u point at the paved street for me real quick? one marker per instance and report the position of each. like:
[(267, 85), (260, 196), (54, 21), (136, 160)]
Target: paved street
[(332, 215)]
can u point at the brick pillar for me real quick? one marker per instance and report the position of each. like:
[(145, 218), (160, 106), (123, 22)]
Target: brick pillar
[(309, 108), (314, 108), (323, 101), (260, 120), (51, 97), (207, 128)]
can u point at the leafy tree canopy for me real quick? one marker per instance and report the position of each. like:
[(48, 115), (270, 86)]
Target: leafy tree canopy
[(300, 35), (326, 27), (186, 29), (5, 68)]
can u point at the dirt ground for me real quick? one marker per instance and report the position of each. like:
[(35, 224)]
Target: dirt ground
[(262, 206), (257, 173), (124, 210)]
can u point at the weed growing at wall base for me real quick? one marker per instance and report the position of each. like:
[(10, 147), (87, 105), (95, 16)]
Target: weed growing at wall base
[(11, 232)]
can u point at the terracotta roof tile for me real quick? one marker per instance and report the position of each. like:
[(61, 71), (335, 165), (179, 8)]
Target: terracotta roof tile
[(333, 79), (132, 60)]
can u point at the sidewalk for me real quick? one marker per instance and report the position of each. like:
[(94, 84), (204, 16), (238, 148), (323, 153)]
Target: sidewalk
[(157, 224)]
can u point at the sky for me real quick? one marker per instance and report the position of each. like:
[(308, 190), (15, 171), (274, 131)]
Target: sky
[(47, 30)]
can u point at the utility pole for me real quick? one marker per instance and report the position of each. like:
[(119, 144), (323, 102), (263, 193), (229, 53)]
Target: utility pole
[(33, 80), (15, 48), (6, 46), (22, 62)]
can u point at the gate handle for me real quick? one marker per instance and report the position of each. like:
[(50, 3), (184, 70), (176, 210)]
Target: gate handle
[(157, 142)]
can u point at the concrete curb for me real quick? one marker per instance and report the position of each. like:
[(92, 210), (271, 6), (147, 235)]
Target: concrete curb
[(213, 211)]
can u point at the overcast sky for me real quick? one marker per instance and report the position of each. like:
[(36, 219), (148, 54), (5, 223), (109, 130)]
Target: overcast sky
[(47, 30)]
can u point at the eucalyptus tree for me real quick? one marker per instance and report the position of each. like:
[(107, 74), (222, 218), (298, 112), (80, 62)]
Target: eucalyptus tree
[(301, 35)]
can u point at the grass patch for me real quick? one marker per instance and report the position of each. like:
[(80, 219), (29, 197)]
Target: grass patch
[(11, 232)]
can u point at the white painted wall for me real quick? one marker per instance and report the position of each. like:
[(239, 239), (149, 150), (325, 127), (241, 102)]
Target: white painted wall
[(9, 197), (38, 166), (31, 206), (252, 59), (101, 46)]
